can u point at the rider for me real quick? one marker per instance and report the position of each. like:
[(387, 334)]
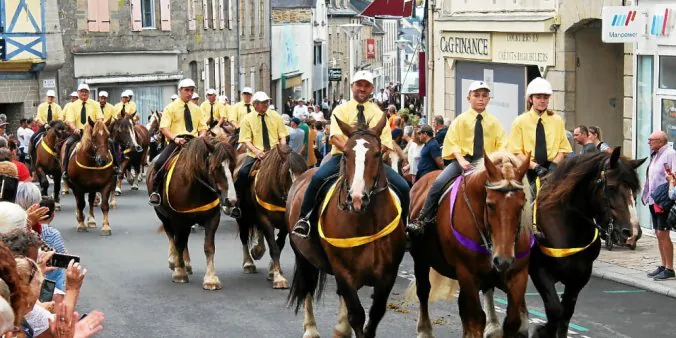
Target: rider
[(124, 106), (76, 118), (212, 109), (107, 108), (48, 111), (260, 132), (540, 132), (240, 109), (179, 118), (195, 99), (469, 135), (359, 108)]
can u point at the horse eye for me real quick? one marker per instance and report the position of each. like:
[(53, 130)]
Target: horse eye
[(491, 206), (378, 154)]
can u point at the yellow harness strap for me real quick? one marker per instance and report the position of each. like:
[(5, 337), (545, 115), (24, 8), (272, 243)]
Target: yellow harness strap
[(126, 151), (560, 253), (357, 241), (535, 202), (206, 207), (47, 148), (264, 204), (92, 168)]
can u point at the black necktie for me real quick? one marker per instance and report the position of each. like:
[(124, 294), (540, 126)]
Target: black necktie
[(478, 150), (188, 119), (83, 114), (49, 113), (212, 112), (248, 107), (266, 137), (361, 119), (540, 144), (122, 112)]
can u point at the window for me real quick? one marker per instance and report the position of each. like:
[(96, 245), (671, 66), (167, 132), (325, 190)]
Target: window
[(193, 70), (98, 16), (241, 5), (209, 13), (667, 72), (253, 19), (212, 74), (148, 13), (262, 77), (644, 119), (261, 20)]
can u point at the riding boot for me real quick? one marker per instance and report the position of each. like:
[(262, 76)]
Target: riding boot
[(66, 156), (114, 153), (155, 199), (429, 210), (328, 169)]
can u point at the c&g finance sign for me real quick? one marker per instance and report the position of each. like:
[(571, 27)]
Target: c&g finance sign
[(622, 24), (463, 45)]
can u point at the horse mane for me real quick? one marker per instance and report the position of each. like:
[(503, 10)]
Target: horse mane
[(195, 153), (87, 136), (275, 165)]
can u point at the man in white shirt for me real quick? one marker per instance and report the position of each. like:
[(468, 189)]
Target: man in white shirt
[(300, 110), (23, 135)]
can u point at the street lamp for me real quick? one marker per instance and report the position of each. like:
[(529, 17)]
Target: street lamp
[(401, 44), (351, 29)]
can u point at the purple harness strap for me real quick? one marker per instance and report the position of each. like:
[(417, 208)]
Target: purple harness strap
[(467, 242)]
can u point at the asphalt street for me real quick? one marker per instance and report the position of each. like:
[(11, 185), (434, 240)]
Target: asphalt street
[(129, 280)]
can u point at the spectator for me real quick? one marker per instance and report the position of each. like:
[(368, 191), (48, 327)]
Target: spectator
[(581, 135), (413, 149), (430, 154), (595, 137), (326, 109), (19, 292), (439, 129), (288, 106), (309, 142), (52, 237), (23, 135), (320, 142), (316, 114), (300, 110), (3, 128), (661, 155), (296, 136), (8, 150), (27, 194), (398, 131), (9, 180)]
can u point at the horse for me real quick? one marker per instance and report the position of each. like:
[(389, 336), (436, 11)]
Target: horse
[(90, 170), (585, 195), (155, 133), (196, 176), (134, 141), (360, 237), (482, 239), (46, 159), (263, 207)]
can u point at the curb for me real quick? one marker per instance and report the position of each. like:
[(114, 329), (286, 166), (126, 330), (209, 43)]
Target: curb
[(633, 278)]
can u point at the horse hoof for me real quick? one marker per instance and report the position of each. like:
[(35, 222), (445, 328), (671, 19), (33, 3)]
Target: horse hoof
[(57, 207), (226, 210), (188, 269), (81, 229), (106, 232), (311, 333), (91, 224), (118, 193), (180, 279), (249, 268), (540, 332), (425, 335), (134, 188), (211, 284), (171, 266), (337, 334), (493, 331), (271, 275), (280, 285), (258, 251)]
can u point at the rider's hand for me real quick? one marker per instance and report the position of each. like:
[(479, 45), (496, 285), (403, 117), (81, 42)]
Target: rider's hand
[(179, 140), (261, 155), (541, 171), (76, 132), (466, 165)]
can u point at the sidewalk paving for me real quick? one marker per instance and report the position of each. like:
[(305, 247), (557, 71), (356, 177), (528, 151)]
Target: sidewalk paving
[(630, 267)]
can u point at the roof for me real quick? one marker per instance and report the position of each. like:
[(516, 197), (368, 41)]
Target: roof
[(292, 3), (377, 29), (360, 5), (339, 11)]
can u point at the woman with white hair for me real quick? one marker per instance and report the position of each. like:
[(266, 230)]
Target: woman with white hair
[(27, 194), (12, 216)]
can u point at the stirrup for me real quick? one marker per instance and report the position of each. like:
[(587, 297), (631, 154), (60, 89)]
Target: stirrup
[(155, 203), (301, 228), (236, 212), (226, 210)]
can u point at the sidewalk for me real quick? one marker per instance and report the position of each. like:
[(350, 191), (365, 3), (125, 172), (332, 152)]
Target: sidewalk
[(631, 266)]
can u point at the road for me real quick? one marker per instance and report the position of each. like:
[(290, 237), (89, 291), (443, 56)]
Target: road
[(128, 279)]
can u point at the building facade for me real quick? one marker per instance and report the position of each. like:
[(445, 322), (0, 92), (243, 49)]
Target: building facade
[(339, 12), (507, 44), (320, 35), (255, 31), (389, 50)]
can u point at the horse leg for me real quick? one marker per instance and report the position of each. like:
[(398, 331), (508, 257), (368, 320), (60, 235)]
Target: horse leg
[(136, 178), (568, 301), (257, 251), (186, 260), (91, 221), (180, 242), (381, 292), (211, 281), (247, 262), (469, 304), (513, 325), (105, 208), (56, 189), (493, 328), (355, 311), (278, 280), (422, 281), (281, 240), (42, 178), (172, 256), (79, 210), (309, 323), (545, 286), (342, 328), (64, 188)]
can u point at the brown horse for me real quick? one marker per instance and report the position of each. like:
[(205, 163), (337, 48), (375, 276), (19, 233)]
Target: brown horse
[(360, 237), (264, 206), (195, 178), (482, 239), (155, 134), (134, 141), (90, 170), (46, 159)]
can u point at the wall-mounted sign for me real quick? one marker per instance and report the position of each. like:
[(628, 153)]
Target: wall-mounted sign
[(335, 74), (49, 83), (463, 45), (524, 48), (661, 22), (370, 48), (622, 24)]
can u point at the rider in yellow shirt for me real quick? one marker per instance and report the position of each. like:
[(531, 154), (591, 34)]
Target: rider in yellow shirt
[(107, 108), (241, 108), (125, 106), (48, 110), (73, 97), (212, 109), (180, 118), (469, 135)]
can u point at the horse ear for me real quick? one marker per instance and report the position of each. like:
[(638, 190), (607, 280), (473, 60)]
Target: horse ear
[(615, 156), (492, 170), (637, 163), (345, 128), (109, 121), (378, 129), (523, 168), (91, 122), (131, 116)]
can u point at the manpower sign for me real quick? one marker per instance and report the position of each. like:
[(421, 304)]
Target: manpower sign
[(623, 24)]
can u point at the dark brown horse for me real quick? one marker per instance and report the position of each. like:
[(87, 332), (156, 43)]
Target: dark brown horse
[(90, 170), (191, 188), (134, 140), (46, 158), (482, 239), (264, 207), (155, 133), (360, 237)]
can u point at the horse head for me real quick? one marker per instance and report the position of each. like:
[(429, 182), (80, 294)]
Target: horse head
[(123, 132), (59, 129), (221, 165), (292, 163), (363, 172), (155, 118), (505, 201), (95, 139)]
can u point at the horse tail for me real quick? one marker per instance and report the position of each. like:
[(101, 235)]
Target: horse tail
[(441, 288), (307, 280)]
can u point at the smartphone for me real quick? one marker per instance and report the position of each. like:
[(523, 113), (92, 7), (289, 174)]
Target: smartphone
[(62, 260), (667, 168), (47, 290)]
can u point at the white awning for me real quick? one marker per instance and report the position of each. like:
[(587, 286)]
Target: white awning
[(508, 22)]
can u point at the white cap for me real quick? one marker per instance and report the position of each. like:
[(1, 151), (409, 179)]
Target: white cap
[(195, 95), (211, 91), (83, 86), (286, 119), (302, 99), (186, 83), (539, 86), (130, 92), (247, 90), (51, 93), (363, 75), (222, 99), (260, 97), (73, 94), (174, 97), (476, 85), (125, 94), (103, 93)]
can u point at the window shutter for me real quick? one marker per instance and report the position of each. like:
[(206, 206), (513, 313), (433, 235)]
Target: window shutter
[(217, 75), (191, 15), (229, 14), (206, 75), (214, 11), (165, 14), (136, 24), (92, 16), (223, 82), (221, 10), (205, 13), (232, 78), (103, 15)]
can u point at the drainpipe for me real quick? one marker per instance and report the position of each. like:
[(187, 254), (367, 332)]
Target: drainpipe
[(269, 44), (239, 55)]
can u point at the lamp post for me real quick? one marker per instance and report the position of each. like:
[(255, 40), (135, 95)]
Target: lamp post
[(352, 30), (401, 44)]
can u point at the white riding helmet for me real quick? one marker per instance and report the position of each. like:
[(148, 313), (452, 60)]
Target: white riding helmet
[(186, 83), (539, 86)]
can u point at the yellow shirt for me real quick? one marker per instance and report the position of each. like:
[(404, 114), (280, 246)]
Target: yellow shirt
[(92, 107), (522, 135), (57, 114), (65, 109), (251, 129), (347, 112), (219, 110), (460, 135), (238, 112), (129, 108), (109, 112), (173, 118)]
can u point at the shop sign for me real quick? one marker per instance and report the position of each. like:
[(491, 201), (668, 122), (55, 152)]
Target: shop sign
[(524, 48), (370, 48), (661, 23), (335, 74), (463, 45), (48, 83), (622, 24)]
